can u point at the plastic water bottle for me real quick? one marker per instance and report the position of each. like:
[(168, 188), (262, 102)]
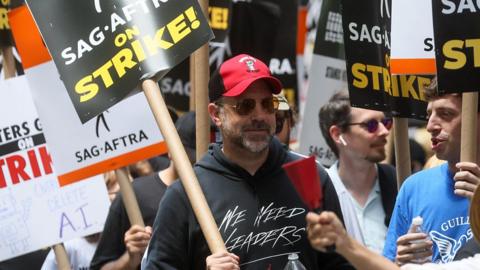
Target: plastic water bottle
[(294, 263), (416, 227)]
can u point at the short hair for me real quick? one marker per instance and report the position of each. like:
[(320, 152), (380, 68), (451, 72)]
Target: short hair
[(335, 112), (431, 92)]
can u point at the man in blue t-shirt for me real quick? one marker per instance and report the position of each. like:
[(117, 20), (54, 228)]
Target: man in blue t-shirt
[(439, 195)]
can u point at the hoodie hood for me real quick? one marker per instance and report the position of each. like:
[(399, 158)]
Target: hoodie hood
[(216, 161)]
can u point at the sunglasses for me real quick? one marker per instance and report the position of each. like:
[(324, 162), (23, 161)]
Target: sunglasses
[(247, 105), (372, 125)]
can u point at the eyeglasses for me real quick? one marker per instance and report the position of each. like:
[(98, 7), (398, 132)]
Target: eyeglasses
[(372, 125), (247, 105)]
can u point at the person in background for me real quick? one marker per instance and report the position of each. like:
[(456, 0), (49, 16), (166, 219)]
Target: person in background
[(285, 121), (439, 195), (366, 189), (140, 168), (112, 184), (79, 250), (260, 216), (122, 245)]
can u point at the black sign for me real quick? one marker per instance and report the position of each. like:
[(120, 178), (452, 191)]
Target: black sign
[(6, 39), (267, 29), (406, 96), (456, 26), (329, 39), (264, 29), (367, 46), (175, 85), (219, 18), (103, 49), (367, 49)]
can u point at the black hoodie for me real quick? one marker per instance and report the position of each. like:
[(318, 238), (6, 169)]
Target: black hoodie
[(261, 217)]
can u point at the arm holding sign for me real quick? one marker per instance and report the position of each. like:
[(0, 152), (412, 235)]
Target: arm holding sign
[(136, 241), (223, 261), (326, 229), (111, 246), (466, 179)]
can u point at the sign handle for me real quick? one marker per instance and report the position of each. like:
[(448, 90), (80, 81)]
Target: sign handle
[(191, 71), (183, 167), (129, 200), (201, 77), (8, 62), (61, 257), (402, 149), (468, 150)]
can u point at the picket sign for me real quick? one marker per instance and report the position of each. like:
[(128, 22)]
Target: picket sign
[(148, 66), (35, 211), (83, 150), (456, 63), (327, 75), (412, 38)]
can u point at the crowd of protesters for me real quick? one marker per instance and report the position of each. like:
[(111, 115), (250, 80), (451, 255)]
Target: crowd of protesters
[(363, 224)]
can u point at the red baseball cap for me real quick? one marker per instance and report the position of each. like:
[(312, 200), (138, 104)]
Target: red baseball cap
[(236, 74)]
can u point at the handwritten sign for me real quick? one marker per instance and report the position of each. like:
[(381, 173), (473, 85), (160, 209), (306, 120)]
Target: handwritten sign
[(34, 211)]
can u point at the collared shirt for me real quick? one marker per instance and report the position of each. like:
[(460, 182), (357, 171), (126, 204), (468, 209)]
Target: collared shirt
[(364, 223)]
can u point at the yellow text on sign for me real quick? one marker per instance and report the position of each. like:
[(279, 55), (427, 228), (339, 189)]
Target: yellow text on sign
[(218, 17), (457, 51), (128, 58), (378, 78)]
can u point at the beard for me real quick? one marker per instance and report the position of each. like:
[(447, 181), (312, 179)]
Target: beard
[(377, 157), (254, 143)]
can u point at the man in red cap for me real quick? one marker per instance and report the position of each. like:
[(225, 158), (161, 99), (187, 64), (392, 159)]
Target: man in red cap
[(260, 216)]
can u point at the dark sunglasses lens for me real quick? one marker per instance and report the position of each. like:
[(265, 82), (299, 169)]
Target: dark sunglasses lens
[(246, 106), (387, 122), (372, 125), (268, 105)]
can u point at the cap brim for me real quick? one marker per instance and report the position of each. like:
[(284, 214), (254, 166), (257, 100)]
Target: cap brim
[(275, 86)]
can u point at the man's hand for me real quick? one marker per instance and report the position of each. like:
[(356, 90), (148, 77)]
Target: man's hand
[(408, 251), (466, 179), (324, 230), (136, 241), (223, 261)]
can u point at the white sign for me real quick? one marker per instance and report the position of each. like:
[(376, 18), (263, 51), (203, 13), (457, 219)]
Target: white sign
[(412, 38), (34, 211), (326, 78), (122, 135)]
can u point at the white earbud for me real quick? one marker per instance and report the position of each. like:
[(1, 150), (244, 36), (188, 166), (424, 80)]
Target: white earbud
[(342, 140)]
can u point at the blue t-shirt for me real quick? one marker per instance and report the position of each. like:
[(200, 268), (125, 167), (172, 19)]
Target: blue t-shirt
[(429, 194)]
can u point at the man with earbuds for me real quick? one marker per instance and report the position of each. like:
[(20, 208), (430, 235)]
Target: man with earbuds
[(365, 188)]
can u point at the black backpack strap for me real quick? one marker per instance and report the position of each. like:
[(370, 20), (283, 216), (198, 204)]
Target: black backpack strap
[(387, 179)]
